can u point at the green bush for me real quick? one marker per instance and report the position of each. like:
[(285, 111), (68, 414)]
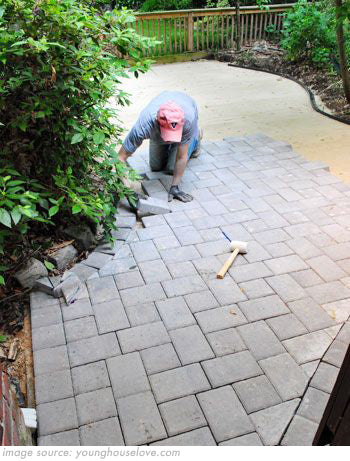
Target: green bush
[(309, 31), (61, 62), (166, 5)]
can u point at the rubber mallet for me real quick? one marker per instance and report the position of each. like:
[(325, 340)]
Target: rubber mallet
[(236, 247)]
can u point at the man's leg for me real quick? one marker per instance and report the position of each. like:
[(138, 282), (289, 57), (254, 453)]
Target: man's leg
[(158, 155)]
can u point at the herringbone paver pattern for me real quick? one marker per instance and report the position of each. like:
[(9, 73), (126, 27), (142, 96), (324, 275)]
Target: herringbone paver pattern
[(159, 351)]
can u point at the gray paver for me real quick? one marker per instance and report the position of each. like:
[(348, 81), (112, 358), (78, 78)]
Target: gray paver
[(177, 255), (141, 295), (199, 437), (102, 433), (301, 432), (50, 360), (184, 285), (338, 310), (286, 376), (102, 289), (336, 353), (93, 349), (273, 421), (154, 271), (326, 268), (329, 292), (256, 394), (57, 416), (286, 326), (225, 413), (226, 291), (142, 314), (160, 358), (313, 405), (95, 405), (46, 316), (260, 340), (118, 266), (110, 316), (263, 308), (251, 271), (256, 288), (231, 368), (208, 267), (306, 278), (66, 438), (90, 377), (48, 336), (80, 328), (81, 308), (182, 415), (311, 314), (191, 345), (201, 301), (249, 440), (144, 251), (304, 248), (127, 375), (143, 337), (97, 260), (344, 334), (286, 287), (179, 382), (325, 377), (175, 313), (286, 264), (181, 269), (53, 386), (140, 419), (220, 318), (129, 280), (226, 342), (308, 347)]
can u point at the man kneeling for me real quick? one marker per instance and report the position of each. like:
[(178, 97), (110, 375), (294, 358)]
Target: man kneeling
[(170, 122)]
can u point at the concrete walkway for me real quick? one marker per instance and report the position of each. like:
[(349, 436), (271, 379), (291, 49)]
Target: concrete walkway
[(159, 351)]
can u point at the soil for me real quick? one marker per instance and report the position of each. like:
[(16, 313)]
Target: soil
[(324, 83)]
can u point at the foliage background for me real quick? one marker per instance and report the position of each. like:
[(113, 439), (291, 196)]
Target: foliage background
[(60, 63)]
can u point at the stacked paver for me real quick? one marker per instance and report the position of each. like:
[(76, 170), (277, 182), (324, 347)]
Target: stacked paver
[(156, 350)]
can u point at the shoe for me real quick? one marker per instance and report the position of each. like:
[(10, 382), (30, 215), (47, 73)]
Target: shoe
[(196, 153)]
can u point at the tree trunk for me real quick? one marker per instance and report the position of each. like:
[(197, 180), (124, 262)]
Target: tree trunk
[(238, 26), (344, 71)]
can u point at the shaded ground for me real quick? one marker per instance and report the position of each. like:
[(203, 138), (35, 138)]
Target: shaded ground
[(237, 101), (158, 350)]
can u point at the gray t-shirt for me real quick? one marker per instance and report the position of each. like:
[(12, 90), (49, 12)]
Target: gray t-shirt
[(147, 126)]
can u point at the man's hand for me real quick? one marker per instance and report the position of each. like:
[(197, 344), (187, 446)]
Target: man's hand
[(175, 192), (134, 198)]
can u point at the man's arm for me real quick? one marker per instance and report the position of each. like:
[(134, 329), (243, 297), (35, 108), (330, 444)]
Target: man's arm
[(180, 165)]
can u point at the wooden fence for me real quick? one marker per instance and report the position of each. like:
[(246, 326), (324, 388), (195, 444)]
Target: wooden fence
[(207, 29)]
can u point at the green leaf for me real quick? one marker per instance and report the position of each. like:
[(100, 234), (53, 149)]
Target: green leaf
[(3, 338), (49, 265), (76, 209), (16, 216), (53, 210), (15, 183), (99, 137), (77, 138), (5, 217)]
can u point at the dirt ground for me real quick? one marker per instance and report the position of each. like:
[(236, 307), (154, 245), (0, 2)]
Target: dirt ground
[(235, 101)]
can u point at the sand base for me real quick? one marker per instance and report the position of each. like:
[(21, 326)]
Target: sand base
[(236, 102)]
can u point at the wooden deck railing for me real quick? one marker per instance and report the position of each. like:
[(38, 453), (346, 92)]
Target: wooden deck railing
[(207, 29)]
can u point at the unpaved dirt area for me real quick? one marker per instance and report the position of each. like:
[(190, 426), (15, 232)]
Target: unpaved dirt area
[(235, 102)]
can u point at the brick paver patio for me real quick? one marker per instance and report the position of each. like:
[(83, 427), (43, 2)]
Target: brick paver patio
[(158, 351)]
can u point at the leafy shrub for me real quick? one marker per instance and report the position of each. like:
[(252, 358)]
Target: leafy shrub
[(166, 5), (61, 62), (309, 31)]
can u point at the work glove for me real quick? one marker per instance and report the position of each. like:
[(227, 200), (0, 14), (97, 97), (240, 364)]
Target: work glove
[(175, 192), (134, 198)]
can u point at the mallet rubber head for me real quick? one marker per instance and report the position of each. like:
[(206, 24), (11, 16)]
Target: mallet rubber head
[(242, 246)]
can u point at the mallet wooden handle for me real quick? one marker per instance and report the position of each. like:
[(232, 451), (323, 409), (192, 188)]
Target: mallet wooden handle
[(227, 265)]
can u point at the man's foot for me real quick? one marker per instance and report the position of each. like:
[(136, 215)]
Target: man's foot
[(196, 153)]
